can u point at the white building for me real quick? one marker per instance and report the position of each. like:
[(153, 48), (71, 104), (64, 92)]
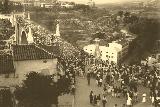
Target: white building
[(30, 37), (66, 5), (112, 52), (91, 3), (157, 50)]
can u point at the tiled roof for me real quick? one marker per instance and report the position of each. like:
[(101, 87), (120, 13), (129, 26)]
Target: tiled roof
[(32, 52)]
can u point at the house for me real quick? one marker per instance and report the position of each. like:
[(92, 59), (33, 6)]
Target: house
[(112, 52), (29, 58)]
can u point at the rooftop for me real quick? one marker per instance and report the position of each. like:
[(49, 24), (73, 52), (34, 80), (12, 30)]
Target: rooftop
[(32, 52)]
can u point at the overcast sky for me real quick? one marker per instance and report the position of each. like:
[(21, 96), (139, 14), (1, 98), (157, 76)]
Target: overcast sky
[(101, 1)]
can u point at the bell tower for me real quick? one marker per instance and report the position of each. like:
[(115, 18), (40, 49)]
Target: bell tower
[(57, 31), (97, 50), (30, 36)]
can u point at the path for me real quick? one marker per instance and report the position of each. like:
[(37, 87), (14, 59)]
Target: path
[(83, 90)]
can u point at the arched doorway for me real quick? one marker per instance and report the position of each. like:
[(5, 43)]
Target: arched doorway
[(24, 38)]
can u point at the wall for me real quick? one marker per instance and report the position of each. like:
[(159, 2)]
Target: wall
[(24, 67), (107, 53)]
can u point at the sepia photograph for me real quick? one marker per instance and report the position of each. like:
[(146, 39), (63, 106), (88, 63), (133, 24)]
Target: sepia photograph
[(79, 53)]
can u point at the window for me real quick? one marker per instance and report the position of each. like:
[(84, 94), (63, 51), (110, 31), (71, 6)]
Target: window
[(90, 50), (107, 56), (112, 53), (112, 57), (106, 52)]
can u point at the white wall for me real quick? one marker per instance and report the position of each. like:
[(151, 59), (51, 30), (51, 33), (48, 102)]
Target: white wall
[(107, 53), (90, 49), (115, 45), (24, 67)]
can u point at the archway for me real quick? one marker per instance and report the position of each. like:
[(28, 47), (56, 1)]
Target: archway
[(24, 38)]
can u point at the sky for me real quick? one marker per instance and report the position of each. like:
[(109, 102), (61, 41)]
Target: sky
[(101, 1)]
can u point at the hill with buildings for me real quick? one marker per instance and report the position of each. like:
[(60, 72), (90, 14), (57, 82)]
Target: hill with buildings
[(82, 23)]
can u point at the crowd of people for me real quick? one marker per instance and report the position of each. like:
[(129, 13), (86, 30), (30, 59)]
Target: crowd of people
[(69, 57), (124, 80), (69, 61), (118, 81)]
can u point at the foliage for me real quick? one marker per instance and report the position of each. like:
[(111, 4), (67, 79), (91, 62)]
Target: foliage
[(46, 19), (148, 32), (6, 7), (5, 96), (40, 91), (100, 35), (6, 30), (120, 13)]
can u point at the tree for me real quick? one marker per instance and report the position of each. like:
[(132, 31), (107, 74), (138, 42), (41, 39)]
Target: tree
[(40, 91), (120, 13), (5, 7), (100, 35), (127, 14), (5, 98), (147, 31)]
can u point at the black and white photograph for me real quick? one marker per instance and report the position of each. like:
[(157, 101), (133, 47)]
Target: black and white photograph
[(79, 53)]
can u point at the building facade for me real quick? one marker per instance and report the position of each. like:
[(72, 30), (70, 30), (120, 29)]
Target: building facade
[(112, 52)]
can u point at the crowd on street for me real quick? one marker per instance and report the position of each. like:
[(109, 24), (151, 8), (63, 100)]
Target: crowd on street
[(123, 81), (116, 80)]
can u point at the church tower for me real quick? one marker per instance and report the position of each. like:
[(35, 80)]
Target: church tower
[(30, 36), (28, 17), (57, 31), (24, 12), (97, 50)]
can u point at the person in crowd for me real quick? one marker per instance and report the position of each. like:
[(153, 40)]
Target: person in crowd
[(98, 100), (115, 105), (73, 89), (91, 97), (144, 98), (100, 82), (104, 100), (129, 101), (124, 105), (119, 92), (113, 92), (95, 99), (135, 94), (88, 78)]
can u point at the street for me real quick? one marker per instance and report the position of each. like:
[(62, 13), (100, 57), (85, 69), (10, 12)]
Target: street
[(83, 91)]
